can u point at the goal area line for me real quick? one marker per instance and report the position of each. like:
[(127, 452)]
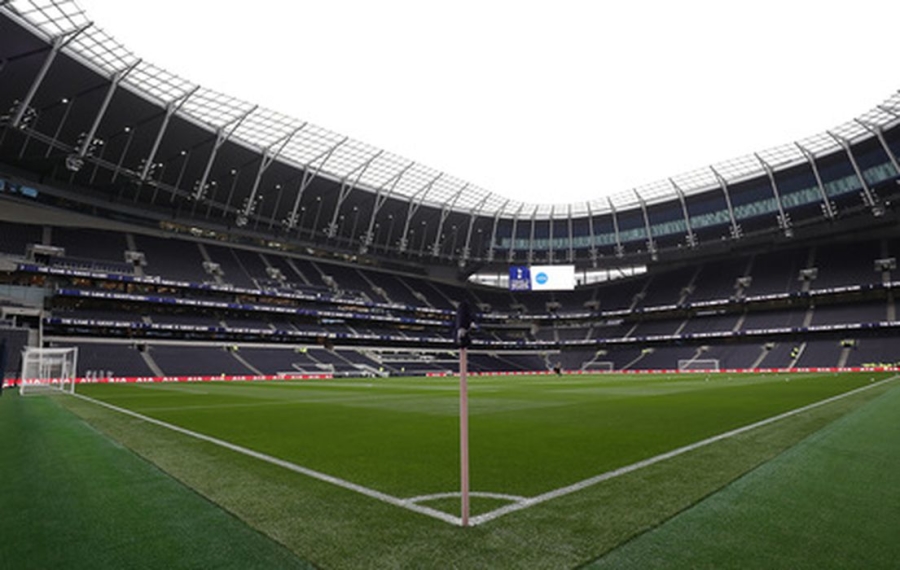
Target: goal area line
[(518, 503)]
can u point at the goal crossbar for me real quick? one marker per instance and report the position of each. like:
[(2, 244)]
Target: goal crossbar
[(698, 364), (48, 369)]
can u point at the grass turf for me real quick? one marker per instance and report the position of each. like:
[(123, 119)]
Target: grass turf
[(71, 498), (832, 501), (336, 528), (528, 435)]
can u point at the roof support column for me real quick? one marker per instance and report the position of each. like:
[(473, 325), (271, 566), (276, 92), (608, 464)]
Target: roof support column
[(784, 219), (550, 235), (690, 237), (571, 258), (593, 237), (290, 222), (380, 199), (346, 188), (531, 236), (490, 252), (869, 198), (879, 132), (620, 251), (651, 244), (445, 212), (171, 108), (56, 45), (464, 255), (827, 207), (221, 137), (511, 255), (415, 202), (736, 231), (115, 80), (268, 157)]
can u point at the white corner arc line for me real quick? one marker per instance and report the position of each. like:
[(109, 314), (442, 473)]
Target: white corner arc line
[(455, 494), (538, 499), (372, 493)]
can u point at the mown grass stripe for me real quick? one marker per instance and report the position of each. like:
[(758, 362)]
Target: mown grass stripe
[(830, 502), (73, 498), (556, 493), (378, 495)]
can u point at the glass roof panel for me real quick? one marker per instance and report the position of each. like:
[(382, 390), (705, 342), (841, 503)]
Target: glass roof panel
[(264, 128)]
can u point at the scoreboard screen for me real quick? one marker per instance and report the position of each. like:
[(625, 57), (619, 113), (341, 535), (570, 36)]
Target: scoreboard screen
[(542, 278)]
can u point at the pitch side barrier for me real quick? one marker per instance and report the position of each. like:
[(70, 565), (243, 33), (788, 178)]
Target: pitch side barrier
[(168, 379), (8, 383), (821, 369)]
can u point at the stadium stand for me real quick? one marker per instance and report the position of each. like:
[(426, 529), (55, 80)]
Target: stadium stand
[(785, 258)]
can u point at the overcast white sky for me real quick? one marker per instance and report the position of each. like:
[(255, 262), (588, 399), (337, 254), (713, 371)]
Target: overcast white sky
[(540, 101)]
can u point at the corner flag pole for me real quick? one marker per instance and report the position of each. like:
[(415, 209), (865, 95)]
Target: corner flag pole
[(463, 339), (464, 435)]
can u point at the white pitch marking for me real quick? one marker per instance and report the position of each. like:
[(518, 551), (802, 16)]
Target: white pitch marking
[(530, 502), (456, 494), (287, 465)]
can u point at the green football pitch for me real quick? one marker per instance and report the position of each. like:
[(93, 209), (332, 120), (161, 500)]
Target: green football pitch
[(351, 473)]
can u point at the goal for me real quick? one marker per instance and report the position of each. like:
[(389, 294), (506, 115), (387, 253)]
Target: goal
[(698, 364), (47, 370), (600, 366)]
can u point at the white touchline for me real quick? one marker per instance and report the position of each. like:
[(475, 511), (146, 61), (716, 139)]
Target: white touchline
[(517, 503), (287, 465), (480, 519)]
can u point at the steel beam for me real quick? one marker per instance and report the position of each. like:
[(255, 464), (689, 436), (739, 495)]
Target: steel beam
[(784, 219), (445, 213), (651, 245), (472, 213), (115, 80), (380, 199), (879, 133), (512, 241), (290, 222), (268, 157), (690, 237), (736, 231), (221, 137), (827, 207), (620, 250), (591, 230), (172, 107), (869, 198), (346, 188), (56, 44), (415, 202)]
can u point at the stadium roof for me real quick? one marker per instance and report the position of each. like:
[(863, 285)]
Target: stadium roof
[(310, 146)]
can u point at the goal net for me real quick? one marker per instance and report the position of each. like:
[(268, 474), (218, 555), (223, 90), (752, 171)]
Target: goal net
[(698, 364), (601, 366), (47, 370)]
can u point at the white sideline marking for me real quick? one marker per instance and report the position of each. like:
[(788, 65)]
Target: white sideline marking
[(480, 519), (287, 465)]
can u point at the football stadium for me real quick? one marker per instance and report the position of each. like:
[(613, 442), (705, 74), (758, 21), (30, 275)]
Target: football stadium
[(230, 338)]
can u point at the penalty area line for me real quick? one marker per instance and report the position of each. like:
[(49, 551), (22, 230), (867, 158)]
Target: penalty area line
[(372, 493), (562, 491)]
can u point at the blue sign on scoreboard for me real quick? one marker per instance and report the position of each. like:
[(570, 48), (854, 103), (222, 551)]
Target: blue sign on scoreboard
[(542, 278), (519, 278)]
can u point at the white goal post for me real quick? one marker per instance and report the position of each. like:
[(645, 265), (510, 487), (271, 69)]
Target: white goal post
[(698, 364), (601, 366), (48, 369)]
